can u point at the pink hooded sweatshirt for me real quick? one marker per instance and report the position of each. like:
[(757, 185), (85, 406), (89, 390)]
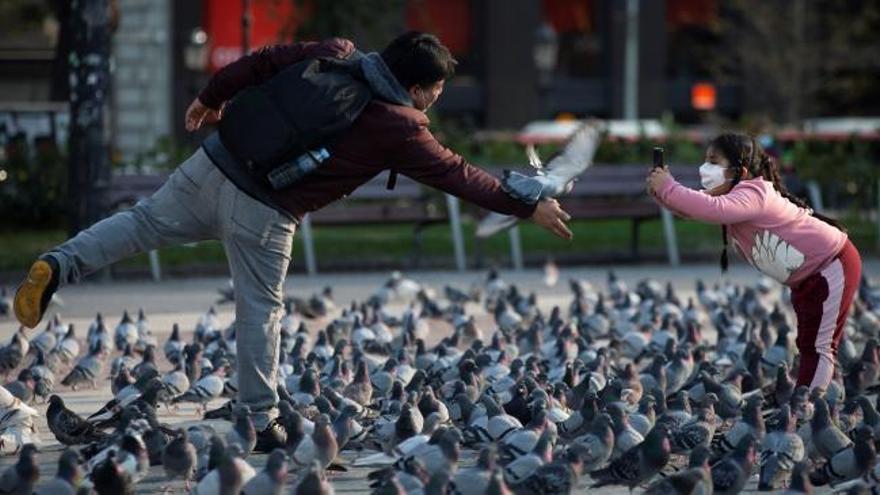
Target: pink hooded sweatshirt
[(779, 238)]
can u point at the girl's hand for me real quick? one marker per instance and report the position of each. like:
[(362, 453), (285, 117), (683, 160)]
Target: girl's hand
[(198, 114), (656, 178)]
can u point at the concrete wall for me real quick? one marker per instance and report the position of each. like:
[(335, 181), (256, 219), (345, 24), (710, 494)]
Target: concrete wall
[(141, 76)]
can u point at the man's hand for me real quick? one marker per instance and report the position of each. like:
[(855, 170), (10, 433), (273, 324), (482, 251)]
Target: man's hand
[(656, 178), (552, 217), (198, 114)]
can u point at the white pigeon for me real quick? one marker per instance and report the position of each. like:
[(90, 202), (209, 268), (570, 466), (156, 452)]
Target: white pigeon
[(551, 181), (17, 423)]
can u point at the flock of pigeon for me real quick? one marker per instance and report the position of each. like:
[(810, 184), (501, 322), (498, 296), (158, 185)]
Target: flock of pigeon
[(625, 386)]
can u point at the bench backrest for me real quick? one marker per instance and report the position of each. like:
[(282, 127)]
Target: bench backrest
[(598, 181)]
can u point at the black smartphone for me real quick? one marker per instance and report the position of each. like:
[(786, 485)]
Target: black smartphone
[(658, 157)]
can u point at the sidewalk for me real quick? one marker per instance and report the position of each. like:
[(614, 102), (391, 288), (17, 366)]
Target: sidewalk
[(183, 301)]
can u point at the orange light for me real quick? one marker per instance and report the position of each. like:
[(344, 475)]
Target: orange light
[(703, 96)]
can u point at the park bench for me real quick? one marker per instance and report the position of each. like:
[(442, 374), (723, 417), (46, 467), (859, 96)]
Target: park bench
[(374, 204)]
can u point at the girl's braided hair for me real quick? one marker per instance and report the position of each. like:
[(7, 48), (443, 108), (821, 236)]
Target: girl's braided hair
[(744, 153)]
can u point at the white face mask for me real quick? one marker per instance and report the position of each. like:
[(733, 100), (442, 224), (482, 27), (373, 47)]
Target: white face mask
[(712, 176)]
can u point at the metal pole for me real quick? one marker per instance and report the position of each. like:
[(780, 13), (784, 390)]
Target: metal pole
[(631, 62), (155, 266), (516, 248), (245, 27), (309, 246), (671, 239), (88, 164), (452, 206), (815, 195)]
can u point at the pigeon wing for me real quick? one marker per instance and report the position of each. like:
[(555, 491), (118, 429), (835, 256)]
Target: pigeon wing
[(576, 156)]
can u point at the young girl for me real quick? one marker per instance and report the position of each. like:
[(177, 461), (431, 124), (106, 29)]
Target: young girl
[(778, 234)]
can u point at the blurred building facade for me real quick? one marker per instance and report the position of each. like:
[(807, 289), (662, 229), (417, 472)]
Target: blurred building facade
[(519, 60)]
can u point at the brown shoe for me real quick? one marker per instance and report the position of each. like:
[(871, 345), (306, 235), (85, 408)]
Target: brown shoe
[(274, 436), (33, 295)]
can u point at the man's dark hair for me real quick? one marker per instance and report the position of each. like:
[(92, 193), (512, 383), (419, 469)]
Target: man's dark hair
[(417, 58)]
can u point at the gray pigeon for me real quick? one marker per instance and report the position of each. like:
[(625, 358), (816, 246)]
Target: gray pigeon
[(360, 389), (698, 431), (729, 475), (314, 482), (68, 427), (23, 387), (781, 450), (179, 458), (173, 348), (86, 370), (559, 477), (230, 473), (825, 436), (751, 423), (523, 467), (344, 426), (205, 389), (553, 180), (110, 478), (639, 463), (321, 446), (5, 302), (800, 480), (696, 479), (12, 354), (475, 480), (849, 463), (200, 436), (68, 477), (243, 432), (20, 478), (594, 448), (271, 480)]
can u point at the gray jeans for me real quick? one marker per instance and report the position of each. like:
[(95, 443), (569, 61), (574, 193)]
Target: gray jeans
[(199, 203)]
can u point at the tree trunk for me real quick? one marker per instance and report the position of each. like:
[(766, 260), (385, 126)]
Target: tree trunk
[(89, 170)]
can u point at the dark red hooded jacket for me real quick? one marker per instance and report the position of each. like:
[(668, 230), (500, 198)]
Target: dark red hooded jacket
[(384, 136)]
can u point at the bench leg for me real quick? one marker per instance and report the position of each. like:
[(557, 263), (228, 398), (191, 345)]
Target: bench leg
[(671, 240), (155, 268), (308, 246), (452, 205), (516, 255), (815, 195)]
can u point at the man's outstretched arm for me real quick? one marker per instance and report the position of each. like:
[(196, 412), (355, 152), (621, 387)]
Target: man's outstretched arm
[(424, 159)]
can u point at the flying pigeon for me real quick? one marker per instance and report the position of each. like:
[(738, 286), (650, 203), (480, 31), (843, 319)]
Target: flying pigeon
[(551, 181)]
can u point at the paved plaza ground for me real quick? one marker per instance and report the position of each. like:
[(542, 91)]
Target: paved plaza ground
[(183, 301)]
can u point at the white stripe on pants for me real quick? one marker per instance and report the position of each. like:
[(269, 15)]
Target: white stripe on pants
[(833, 275)]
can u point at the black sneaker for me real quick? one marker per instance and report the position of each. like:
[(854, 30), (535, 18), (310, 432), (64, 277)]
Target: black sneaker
[(222, 412), (274, 436), (33, 295)]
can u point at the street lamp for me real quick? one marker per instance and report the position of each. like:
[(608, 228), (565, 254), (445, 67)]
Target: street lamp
[(195, 53)]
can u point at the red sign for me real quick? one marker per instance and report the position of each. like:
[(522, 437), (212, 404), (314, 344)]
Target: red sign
[(272, 21)]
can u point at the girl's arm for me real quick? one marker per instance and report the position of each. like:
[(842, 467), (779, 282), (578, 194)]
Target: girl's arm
[(742, 203)]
